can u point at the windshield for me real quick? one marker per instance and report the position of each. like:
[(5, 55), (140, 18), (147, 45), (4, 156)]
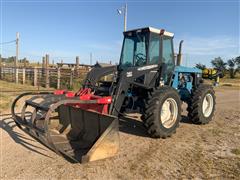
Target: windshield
[(134, 52)]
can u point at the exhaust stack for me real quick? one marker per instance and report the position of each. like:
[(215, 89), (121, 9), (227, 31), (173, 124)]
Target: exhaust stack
[(179, 56)]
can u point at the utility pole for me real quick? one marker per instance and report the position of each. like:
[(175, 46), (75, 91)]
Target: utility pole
[(16, 59), (17, 47), (90, 58), (47, 71), (124, 11), (125, 17)]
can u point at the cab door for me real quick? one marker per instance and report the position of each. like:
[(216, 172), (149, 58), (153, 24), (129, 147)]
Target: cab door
[(167, 58)]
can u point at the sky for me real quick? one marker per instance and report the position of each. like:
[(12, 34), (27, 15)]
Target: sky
[(66, 29)]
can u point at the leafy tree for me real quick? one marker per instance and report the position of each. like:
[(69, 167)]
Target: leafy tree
[(24, 60), (200, 66), (9, 59), (233, 66), (219, 64), (237, 59)]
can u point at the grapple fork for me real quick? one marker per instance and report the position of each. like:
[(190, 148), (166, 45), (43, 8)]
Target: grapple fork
[(78, 127)]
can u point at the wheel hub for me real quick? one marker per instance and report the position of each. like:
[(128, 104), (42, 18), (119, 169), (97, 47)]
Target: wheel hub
[(207, 105), (169, 113)]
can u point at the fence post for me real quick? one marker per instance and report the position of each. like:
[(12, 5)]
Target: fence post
[(58, 77), (16, 70), (3, 72), (71, 78), (35, 78), (77, 62), (23, 75), (47, 71), (77, 66), (43, 66), (16, 75)]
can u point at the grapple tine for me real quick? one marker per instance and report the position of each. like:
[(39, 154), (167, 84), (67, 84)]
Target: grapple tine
[(76, 133)]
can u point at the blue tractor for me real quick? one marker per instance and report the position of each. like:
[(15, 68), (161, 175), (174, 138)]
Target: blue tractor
[(147, 80), (152, 81)]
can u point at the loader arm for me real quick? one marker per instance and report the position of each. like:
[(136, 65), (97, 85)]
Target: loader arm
[(128, 77), (96, 73)]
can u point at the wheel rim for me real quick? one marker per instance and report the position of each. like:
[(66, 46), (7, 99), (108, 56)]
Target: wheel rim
[(207, 105), (169, 113)]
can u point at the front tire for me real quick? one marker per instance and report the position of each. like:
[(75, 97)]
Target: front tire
[(162, 112), (201, 106)]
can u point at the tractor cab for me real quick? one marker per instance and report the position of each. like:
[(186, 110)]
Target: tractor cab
[(148, 46)]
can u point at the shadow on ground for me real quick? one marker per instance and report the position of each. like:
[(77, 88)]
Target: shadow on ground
[(127, 125), (185, 119), (136, 127), (8, 125), (132, 126)]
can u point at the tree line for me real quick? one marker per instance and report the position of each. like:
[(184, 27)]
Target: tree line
[(232, 65), (12, 59)]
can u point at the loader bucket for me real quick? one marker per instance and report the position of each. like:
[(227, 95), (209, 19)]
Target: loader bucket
[(79, 134)]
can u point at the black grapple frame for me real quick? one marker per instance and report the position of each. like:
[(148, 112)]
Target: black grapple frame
[(58, 122)]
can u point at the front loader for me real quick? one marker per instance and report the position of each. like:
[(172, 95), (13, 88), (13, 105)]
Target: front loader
[(83, 126)]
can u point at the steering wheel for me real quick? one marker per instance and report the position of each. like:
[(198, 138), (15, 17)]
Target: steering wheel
[(140, 59)]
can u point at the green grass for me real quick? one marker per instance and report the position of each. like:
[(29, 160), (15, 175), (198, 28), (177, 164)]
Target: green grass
[(216, 132), (9, 91), (236, 151), (7, 86), (227, 81), (4, 101)]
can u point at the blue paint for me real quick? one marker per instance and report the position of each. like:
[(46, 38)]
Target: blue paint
[(183, 80), (187, 69)]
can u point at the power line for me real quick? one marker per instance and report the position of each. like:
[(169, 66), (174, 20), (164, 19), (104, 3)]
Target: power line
[(8, 42)]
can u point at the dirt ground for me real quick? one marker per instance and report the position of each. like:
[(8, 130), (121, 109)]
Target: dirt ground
[(195, 151)]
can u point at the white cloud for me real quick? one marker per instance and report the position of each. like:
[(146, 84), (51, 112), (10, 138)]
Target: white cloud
[(205, 49), (221, 46)]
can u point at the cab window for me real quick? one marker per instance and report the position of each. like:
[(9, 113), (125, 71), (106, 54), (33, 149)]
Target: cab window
[(168, 58), (154, 49), (134, 51)]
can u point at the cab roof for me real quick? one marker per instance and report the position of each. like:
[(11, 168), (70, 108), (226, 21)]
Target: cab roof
[(154, 30)]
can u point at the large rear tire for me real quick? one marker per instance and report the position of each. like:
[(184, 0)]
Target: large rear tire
[(201, 106), (162, 112)]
